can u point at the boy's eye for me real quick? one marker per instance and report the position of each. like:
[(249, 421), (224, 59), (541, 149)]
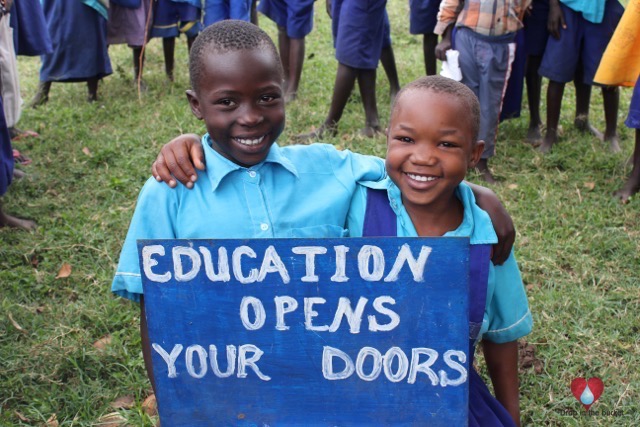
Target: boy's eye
[(226, 102), (404, 139), (268, 98), (448, 144)]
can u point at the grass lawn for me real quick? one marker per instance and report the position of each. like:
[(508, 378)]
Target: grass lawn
[(69, 349)]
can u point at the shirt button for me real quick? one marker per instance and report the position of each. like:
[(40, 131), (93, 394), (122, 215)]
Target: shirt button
[(252, 174), (264, 226)]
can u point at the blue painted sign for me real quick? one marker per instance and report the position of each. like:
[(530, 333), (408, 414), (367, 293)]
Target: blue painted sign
[(313, 332)]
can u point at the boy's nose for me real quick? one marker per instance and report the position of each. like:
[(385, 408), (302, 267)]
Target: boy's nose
[(424, 156), (250, 117)]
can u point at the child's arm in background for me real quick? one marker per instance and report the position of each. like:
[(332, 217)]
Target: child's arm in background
[(177, 160), (502, 363), (555, 19), (146, 344), (501, 220)]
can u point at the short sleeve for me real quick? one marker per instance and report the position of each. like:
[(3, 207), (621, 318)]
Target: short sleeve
[(507, 314), (350, 167), (154, 218)]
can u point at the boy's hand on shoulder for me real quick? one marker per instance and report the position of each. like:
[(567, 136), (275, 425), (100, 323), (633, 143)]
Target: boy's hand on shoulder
[(177, 160), (445, 44)]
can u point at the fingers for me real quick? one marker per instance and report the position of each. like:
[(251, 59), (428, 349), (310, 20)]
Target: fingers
[(161, 173), (197, 155)]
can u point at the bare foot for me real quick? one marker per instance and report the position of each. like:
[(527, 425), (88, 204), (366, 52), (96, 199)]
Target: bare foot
[(533, 135), (583, 125), (316, 135), (18, 174), (631, 187), (39, 99), (371, 131), (15, 222), (614, 143), (290, 97), (485, 174)]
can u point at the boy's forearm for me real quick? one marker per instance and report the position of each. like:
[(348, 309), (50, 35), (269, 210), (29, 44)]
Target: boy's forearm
[(502, 363), (447, 16)]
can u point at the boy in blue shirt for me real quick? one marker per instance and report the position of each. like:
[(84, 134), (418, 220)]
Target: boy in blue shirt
[(429, 150), (252, 188)]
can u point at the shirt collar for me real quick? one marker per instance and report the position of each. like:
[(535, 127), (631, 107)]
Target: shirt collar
[(218, 167)]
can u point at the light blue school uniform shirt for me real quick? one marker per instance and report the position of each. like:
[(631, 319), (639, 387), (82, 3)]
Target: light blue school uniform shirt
[(506, 315), (592, 10), (297, 191)]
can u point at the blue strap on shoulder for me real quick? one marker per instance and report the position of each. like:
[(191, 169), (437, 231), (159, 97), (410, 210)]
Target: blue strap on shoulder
[(379, 218)]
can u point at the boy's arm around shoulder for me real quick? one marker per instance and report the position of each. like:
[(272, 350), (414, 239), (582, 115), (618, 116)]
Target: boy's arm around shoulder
[(178, 160), (153, 218), (351, 167), (501, 220)]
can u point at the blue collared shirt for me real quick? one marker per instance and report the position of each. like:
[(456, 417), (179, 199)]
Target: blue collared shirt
[(506, 316), (297, 191)]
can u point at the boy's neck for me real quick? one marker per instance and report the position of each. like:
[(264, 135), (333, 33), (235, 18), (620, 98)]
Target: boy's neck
[(435, 221)]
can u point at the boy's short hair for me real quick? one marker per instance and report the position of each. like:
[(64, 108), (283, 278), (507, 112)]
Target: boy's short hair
[(227, 36), (439, 84)]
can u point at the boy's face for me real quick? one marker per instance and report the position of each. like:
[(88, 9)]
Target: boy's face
[(240, 100), (430, 146)]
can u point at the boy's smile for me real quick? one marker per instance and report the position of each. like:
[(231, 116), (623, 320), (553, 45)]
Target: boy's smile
[(429, 148), (240, 100)]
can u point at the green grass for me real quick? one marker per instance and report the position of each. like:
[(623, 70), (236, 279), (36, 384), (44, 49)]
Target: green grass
[(578, 248)]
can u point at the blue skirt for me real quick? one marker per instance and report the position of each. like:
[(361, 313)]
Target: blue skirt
[(633, 119), (79, 37), (171, 18), (6, 154), (295, 16), (512, 102), (423, 16), (484, 409), (358, 32), (30, 35)]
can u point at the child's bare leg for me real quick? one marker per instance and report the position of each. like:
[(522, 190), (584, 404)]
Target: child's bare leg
[(632, 186), (190, 41), (283, 47), (42, 95), (583, 100), (429, 43), (554, 101), (15, 222), (296, 60), (345, 80), (92, 88), (367, 85), (534, 89), (611, 99), (168, 48), (388, 61), (485, 173)]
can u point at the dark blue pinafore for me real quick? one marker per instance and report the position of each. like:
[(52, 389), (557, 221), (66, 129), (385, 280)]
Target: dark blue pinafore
[(484, 409)]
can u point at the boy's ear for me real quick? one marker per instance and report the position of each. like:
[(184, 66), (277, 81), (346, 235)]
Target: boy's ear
[(194, 103), (476, 153)]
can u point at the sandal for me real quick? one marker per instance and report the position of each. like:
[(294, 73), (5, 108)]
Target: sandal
[(17, 134), (20, 158)]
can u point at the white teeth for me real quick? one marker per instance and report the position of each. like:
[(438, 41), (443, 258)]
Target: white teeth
[(421, 178), (250, 141)]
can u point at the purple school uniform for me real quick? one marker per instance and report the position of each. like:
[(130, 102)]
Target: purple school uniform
[(582, 43), (128, 25), (30, 35), (295, 16), (484, 408), (79, 38), (6, 154), (174, 17), (219, 10), (423, 16), (633, 119), (358, 32)]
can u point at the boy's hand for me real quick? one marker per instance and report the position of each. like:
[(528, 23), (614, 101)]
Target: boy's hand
[(502, 222), (177, 160), (555, 19), (445, 44)]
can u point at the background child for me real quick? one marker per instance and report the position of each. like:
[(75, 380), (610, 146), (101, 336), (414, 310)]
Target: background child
[(632, 186), (295, 21), (581, 31), (423, 16), (485, 34), (78, 31), (219, 10), (429, 150)]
